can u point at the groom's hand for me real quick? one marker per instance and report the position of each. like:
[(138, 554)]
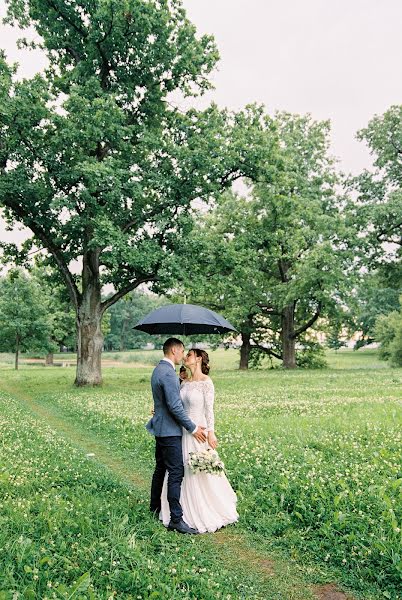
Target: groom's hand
[(199, 434)]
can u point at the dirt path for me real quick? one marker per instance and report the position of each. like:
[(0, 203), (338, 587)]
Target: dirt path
[(281, 577)]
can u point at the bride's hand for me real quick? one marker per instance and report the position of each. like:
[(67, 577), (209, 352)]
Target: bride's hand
[(212, 441)]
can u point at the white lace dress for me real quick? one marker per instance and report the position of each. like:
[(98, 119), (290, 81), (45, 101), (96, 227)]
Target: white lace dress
[(208, 501)]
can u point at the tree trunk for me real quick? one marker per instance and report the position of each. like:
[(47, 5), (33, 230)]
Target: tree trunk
[(245, 351), (49, 359), (17, 351), (123, 334), (288, 339), (89, 320)]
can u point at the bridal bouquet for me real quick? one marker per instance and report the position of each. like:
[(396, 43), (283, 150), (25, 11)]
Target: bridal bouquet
[(206, 461)]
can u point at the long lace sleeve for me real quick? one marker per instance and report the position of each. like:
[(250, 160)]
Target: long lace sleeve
[(209, 395)]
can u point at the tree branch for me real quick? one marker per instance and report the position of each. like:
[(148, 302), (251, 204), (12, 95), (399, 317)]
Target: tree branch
[(268, 351), (396, 147), (128, 225), (72, 52), (125, 290), (77, 28), (309, 323), (109, 31), (385, 234), (266, 309), (50, 246), (101, 151), (282, 271), (106, 66), (227, 178)]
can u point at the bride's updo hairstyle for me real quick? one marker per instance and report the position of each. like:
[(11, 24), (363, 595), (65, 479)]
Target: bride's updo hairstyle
[(204, 360)]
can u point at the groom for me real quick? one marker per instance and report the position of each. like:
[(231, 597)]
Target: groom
[(166, 425)]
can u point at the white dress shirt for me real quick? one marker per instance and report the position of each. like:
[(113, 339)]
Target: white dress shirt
[(170, 362)]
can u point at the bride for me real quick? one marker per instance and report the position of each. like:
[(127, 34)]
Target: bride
[(208, 500)]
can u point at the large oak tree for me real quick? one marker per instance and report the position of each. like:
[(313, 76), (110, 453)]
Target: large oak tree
[(95, 157)]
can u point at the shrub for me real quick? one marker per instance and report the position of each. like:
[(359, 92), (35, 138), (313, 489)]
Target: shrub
[(388, 331)]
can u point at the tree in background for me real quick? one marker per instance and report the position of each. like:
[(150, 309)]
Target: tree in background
[(277, 261), (60, 311), (94, 158), (124, 314), (376, 216), (24, 318), (388, 331), (371, 300), (376, 213), (335, 334)]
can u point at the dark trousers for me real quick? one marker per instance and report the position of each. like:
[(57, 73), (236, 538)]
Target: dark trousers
[(168, 457)]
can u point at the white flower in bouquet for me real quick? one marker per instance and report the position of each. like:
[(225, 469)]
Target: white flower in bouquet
[(206, 461)]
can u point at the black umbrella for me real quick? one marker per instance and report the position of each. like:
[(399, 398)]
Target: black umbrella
[(184, 319)]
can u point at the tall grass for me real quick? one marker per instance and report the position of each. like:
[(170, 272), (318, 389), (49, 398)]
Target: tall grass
[(315, 457)]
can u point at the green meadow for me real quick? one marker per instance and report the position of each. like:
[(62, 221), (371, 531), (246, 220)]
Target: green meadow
[(314, 456)]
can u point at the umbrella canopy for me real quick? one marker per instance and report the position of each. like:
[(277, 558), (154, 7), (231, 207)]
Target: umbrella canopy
[(184, 319)]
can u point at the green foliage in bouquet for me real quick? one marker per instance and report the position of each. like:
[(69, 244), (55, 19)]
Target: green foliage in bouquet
[(206, 461)]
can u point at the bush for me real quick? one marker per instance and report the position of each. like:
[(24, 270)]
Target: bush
[(311, 356), (388, 331), (396, 347)]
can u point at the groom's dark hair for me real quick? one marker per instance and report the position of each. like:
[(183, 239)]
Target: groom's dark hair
[(170, 343)]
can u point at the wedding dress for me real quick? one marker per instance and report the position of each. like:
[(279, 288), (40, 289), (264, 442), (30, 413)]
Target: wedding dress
[(208, 500)]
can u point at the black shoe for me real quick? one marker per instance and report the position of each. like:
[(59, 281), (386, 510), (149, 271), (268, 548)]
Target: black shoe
[(182, 527)]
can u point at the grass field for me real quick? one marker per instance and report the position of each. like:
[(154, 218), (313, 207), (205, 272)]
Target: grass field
[(315, 458)]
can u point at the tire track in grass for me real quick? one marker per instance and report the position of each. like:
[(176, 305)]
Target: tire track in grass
[(233, 547)]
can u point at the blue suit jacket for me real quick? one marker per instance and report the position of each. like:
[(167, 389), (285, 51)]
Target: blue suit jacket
[(170, 416)]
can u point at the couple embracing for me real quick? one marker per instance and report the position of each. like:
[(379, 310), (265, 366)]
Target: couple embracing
[(183, 423)]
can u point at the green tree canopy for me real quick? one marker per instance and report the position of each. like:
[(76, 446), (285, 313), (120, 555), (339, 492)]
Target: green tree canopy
[(388, 331), (278, 260), (124, 314), (59, 308), (25, 324), (95, 158), (376, 213), (371, 299)]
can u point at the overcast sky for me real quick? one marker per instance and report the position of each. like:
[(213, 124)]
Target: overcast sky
[(338, 60)]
